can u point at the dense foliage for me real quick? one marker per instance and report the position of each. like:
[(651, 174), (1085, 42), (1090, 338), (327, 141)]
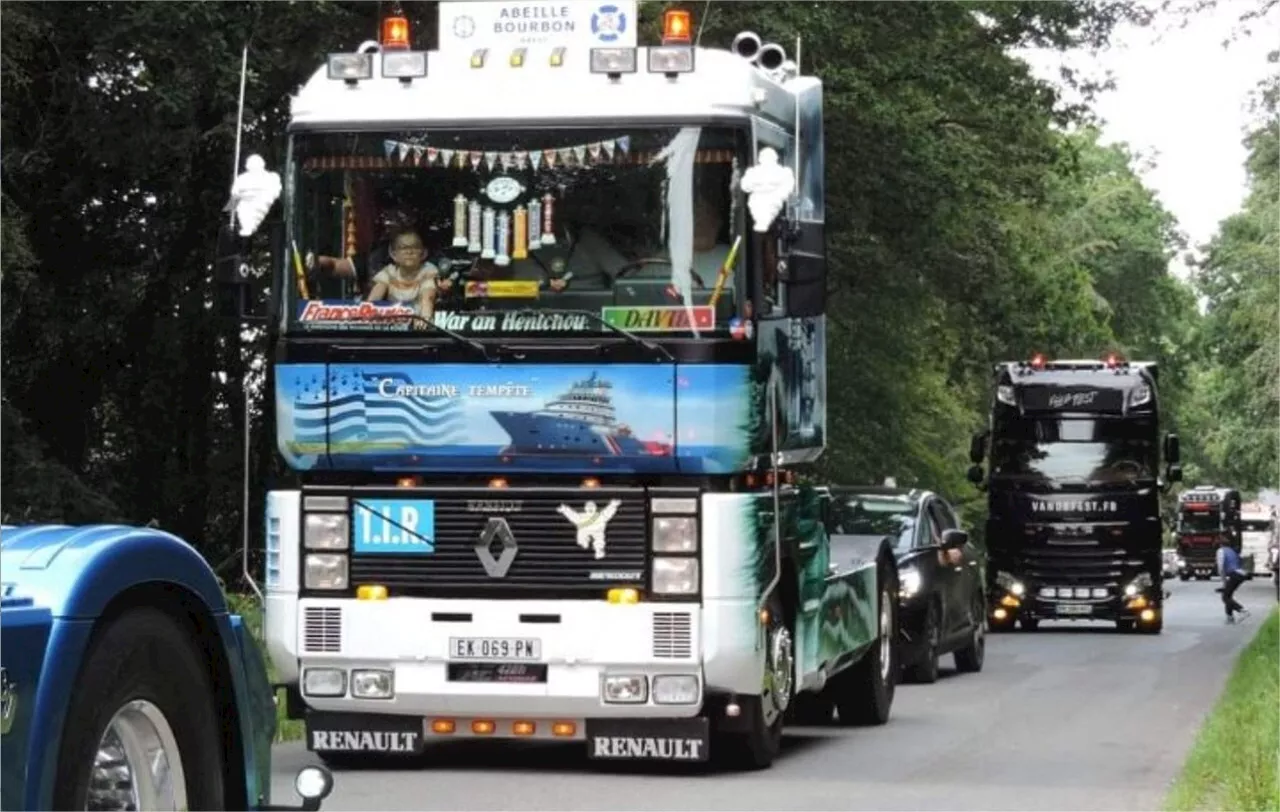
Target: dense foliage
[(972, 217)]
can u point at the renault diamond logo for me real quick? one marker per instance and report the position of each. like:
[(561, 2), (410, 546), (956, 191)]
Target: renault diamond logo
[(496, 529)]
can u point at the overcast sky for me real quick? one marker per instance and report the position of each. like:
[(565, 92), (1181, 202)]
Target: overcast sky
[(1182, 100)]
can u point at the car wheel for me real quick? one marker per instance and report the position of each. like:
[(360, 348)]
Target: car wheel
[(925, 669), (142, 726), (970, 658), (757, 746)]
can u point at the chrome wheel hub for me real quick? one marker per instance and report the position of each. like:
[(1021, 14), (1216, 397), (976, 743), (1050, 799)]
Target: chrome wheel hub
[(780, 675), (137, 765), (886, 638)]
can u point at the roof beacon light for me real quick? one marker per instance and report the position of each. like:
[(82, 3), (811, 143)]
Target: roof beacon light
[(677, 28), (395, 33), (1037, 361)]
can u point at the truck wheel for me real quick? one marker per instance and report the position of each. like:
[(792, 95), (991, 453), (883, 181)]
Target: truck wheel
[(141, 731), (925, 670), (757, 746), (811, 709), (864, 692), (1182, 576), (970, 658)]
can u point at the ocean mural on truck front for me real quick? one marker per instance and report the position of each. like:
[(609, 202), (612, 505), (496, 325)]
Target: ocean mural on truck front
[(514, 417)]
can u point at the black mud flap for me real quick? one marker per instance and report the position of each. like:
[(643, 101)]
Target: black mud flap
[(686, 740), (364, 733)]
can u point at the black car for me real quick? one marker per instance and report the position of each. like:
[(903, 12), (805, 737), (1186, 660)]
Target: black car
[(942, 574)]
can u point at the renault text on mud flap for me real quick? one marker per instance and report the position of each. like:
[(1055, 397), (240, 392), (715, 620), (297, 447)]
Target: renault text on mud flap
[(365, 741), (649, 747)]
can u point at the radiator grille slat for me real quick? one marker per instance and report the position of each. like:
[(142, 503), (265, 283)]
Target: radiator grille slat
[(672, 635), (322, 630)]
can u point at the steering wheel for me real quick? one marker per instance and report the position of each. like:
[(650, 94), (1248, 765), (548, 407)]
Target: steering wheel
[(640, 263), (1126, 467)]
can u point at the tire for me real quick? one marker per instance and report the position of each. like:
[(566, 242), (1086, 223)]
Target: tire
[(925, 670), (863, 692), (1184, 577), (144, 656), (969, 660), (811, 710), (756, 747), (1030, 624)]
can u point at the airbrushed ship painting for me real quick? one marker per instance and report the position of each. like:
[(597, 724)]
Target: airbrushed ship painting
[(458, 417)]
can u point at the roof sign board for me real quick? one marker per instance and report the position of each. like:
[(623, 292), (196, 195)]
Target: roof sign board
[(505, 26)]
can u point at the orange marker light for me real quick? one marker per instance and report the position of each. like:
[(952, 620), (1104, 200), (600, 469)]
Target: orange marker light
[(395, 33), (676, 27), (499, 482), (482, 727), (590, 482), (563, 729), (442, 726), (408, 482), (524, 728)]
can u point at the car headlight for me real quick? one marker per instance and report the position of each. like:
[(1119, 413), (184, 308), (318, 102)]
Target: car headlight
[(326, 531), (625, 689), (675, 534), (325, 571), (1010, 584), (909, 582), (675, 576)]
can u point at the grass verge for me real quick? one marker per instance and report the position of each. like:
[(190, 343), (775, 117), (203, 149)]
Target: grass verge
[(1232, 764), (247, 607)]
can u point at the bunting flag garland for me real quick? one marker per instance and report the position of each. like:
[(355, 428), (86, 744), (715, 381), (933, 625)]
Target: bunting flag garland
[(414, 154), (410, 154)]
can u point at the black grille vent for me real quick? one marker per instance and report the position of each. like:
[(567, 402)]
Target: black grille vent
[(1079, 564), (548, 561)]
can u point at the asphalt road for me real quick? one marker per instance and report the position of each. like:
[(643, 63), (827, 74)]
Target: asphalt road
[(1074, 716)]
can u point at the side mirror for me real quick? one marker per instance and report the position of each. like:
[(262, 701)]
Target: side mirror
[(1174, 473), (231, 274), (954, 539), (804, 273), (1171, 451), (976, 449), (974, 474)]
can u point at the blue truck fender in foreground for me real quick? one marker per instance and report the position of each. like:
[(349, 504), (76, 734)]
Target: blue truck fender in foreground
[(117, 640)]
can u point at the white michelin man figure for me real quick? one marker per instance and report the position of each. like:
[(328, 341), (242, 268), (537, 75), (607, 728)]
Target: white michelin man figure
[(253, 193), (591, 523), (768, 185)]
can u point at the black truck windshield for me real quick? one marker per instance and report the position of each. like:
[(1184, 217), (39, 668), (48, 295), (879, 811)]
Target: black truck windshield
[(1077, 451), (1199, 521), (495, 232)]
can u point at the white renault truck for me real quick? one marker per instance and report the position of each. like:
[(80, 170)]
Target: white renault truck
[(547, 361)]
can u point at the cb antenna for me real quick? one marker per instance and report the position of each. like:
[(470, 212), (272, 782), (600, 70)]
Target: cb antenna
[(706, 12)]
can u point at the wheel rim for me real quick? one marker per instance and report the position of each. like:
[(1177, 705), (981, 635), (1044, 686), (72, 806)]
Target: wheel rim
[(886, 640), (781, 673), (137, 764)]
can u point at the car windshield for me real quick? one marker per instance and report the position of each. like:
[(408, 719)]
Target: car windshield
[(876, 516), (1094, 451), (498, 231), (1205, 520)]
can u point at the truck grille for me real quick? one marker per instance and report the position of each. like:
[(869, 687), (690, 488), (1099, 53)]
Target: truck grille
[(1078, 564), (548, 562)]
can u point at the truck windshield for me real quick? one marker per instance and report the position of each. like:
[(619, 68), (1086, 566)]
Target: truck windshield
[(1089, 451), (501, 231), (1258, 525), (1199, 521)]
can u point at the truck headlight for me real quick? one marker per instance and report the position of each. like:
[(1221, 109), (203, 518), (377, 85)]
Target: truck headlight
[(324, 682), (372, 684), (325, 571), (326, 531), (628, 689), (909, 582), (1137, 585), (675, 576), (675, 689), (1011, 585), (675, 534)]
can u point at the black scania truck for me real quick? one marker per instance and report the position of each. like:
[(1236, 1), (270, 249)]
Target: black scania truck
[(1074, 526), (1207, 517)]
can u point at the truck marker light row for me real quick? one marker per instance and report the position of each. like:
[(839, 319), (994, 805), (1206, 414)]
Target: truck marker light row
[(488, 727)]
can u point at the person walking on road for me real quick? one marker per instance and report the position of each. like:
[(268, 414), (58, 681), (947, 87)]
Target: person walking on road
[(1233, 576)]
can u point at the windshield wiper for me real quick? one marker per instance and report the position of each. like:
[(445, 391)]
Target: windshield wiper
[(458, 337), (598, 319)]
